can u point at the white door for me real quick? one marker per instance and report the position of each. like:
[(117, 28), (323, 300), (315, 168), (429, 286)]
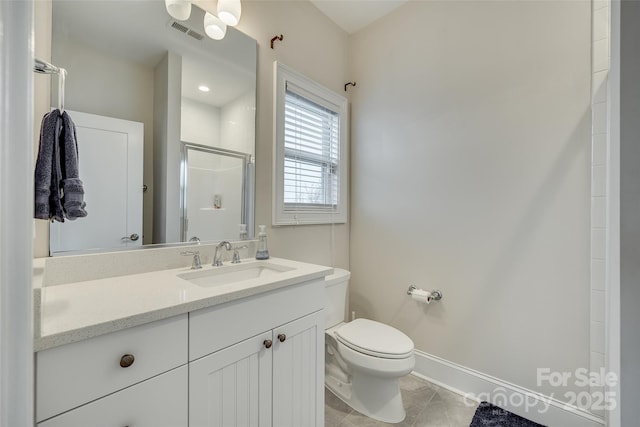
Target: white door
[(110, 153), (298, 372), (232, 387)]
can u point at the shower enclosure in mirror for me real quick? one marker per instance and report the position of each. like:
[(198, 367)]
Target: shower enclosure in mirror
[(129, 60), (215, 192)]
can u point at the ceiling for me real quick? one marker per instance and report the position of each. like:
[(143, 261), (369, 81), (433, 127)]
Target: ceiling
[(353, 15)]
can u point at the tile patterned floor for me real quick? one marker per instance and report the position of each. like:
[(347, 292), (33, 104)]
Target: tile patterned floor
[(427, 405)]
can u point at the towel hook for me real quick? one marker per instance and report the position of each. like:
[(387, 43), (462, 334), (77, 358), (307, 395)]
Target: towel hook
[(62, 75), (280, 37), (349, 83)]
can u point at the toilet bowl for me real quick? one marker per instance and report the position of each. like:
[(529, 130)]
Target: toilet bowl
[(363, 358)]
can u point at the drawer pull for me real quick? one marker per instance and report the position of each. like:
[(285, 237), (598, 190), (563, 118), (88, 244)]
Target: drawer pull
[(282, 337), (267, 343), (127, 360)]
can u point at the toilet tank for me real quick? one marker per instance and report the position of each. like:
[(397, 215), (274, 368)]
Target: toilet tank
[(337, 286)]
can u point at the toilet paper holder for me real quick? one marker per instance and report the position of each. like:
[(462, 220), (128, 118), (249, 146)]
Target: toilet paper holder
[(436, 295)]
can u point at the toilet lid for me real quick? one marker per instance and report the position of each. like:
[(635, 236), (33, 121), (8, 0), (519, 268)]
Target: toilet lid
[(375, 338)]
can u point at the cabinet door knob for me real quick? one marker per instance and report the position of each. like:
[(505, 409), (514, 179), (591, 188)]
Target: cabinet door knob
[(267, 343), (127, 360), (282, 337)]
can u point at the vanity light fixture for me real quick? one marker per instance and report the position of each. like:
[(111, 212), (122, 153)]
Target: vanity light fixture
[(229, 11), (178, 9), (203, 88), (214, 27)]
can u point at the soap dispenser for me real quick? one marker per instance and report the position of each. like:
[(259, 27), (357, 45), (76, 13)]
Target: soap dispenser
[(262, 252)]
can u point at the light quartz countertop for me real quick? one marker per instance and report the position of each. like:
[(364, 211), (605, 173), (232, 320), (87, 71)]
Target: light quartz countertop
[(70, 312)]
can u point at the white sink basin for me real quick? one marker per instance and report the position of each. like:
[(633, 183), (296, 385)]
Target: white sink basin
[(228, 274)]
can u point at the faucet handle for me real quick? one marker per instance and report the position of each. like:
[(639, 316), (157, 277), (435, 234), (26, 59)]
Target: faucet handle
[(197, 263), (236, 255)]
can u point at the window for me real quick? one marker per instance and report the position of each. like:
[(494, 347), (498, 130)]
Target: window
[(310, 178)]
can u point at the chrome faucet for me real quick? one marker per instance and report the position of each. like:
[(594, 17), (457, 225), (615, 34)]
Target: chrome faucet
[(217, 262), (196, 264), (236, 255)]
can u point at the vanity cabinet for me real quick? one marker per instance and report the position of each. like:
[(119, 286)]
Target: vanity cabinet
[(253, 361), (271, 379), (259, 361)]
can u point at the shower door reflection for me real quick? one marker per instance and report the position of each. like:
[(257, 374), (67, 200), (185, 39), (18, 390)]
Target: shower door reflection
[(216, 193)]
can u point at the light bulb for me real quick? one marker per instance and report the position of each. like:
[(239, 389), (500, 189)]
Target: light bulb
[(229, 11), (214, 27), (179, 9)]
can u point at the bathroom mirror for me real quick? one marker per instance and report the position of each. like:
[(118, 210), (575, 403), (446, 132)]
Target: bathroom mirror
[(131, 61)]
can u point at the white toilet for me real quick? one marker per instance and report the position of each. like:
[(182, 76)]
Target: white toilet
[(364, 359)]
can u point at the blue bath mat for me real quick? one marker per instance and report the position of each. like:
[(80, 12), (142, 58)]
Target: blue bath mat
[(488, 415)]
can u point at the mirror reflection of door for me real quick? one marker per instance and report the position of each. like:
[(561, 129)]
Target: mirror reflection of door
[(214, 189), (110, 166)]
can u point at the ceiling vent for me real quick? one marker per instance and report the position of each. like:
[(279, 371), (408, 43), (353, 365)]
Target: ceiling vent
[(177, 26), (185, 30), (195, 35)]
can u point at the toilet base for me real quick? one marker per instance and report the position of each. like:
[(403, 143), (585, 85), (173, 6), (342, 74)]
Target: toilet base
[(377, 398)]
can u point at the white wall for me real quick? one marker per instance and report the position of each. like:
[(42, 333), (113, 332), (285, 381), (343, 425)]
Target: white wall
[(237, 121), (231, 127), (318, 48), (200, 123), (167, 91), (470, 173)]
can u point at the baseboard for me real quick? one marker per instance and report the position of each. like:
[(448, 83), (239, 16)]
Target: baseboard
[(526, 403)]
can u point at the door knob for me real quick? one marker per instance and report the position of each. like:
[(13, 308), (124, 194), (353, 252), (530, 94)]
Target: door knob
[(132, 238), (282, 337), (267, 343)]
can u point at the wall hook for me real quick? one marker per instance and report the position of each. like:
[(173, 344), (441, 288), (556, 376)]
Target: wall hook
[(347, 84), (280, 37)]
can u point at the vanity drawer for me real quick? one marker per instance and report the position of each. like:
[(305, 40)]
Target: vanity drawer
[(74, 374), (158, 402), (215, 328)]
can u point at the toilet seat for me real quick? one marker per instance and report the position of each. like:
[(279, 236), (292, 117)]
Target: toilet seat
[(375, 339)]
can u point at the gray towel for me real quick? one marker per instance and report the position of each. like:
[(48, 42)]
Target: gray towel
[(58, 189), (71, 185), (47, 196)]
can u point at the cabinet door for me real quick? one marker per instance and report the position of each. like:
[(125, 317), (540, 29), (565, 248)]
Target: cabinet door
[(298, 372), (232, 387), (158, 402)]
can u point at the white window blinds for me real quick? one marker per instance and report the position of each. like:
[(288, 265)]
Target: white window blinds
[(311, 151)]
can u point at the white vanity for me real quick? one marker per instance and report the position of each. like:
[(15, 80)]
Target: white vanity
[(238, 345)]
